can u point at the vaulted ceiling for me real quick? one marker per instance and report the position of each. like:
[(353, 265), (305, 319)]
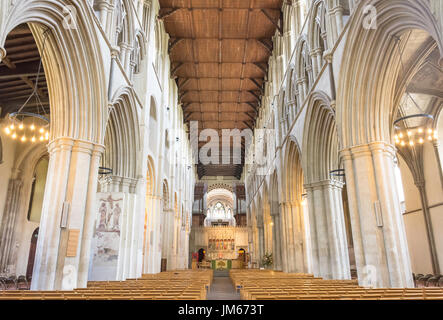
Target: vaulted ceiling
[(219, 51)]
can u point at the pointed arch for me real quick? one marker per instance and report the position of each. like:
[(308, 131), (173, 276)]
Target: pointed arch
[(320, 142), (71, 59), (292, 182), (369, 78), (317, 34), (303, 68), (122, 140)]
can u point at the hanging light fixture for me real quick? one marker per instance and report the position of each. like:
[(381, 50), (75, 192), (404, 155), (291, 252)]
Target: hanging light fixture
[(409, 136), (29, 126)]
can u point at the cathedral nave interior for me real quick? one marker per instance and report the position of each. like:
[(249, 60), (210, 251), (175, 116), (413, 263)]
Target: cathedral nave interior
[(287, 149)]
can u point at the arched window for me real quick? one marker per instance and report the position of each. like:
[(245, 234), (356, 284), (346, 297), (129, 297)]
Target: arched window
[(318, 35), (120, 17), (136, 56)]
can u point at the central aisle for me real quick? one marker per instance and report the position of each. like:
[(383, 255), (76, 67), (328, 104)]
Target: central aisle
[(222, 288)]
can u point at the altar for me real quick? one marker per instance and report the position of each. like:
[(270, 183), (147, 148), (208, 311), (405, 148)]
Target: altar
[(221, 264)]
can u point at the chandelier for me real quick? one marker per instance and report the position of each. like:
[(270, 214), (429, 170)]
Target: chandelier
[(420, 126), (30, 126), (27, 126), (410, 136)]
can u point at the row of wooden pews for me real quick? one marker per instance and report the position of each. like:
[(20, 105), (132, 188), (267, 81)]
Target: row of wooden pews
[(274, 285), (170, 285)]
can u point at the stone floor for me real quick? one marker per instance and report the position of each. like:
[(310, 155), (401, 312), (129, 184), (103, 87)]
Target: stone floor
[(222, 288)]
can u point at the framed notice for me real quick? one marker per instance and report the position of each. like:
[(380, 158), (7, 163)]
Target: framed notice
[(73, 237)]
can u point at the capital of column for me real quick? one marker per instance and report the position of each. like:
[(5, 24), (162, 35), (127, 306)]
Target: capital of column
[(83, 147), (323, 184), (367, 150), (60, 144), (328, 55), (300, 81), (125, 46), (115, 52), (287, 204), (154, 196), (287, 34), (129, 182), (103, 4), (420, 183), (337, 9), (315, 52), (16, 172), (79, 145)]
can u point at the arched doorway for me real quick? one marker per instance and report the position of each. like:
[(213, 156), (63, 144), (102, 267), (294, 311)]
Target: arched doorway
[(201, 254), (294, 217), (31, 257), (242, 255)]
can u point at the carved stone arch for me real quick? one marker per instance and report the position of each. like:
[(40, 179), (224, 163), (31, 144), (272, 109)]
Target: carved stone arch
[(124, 20), (366, 114), (154, 124), (303, 68), (122, 140), (159, 46), (139, 52), (274, 193), (151, 178), (291, 83), (166, 201), (64, 70), (321, 147), (292, 172), (317, 34)]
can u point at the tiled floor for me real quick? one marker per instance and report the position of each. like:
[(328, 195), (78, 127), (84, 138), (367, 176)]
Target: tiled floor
[(222, 289)]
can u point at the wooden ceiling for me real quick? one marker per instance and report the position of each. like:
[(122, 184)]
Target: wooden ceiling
[(219, 51), (18, 73)]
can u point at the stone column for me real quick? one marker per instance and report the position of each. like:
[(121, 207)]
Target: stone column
[(381, 250), (167, 233), (301, 90), (8, 223), (153, 253), (125, 56), (71, 172), (421, 186), (297, 238), (336, 15), (110, 29), (330, 258), (316, 58), (103, 8), (276, 241), (261, 244), (90, 216), (438, 158), (283, 236), (175, 240)]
